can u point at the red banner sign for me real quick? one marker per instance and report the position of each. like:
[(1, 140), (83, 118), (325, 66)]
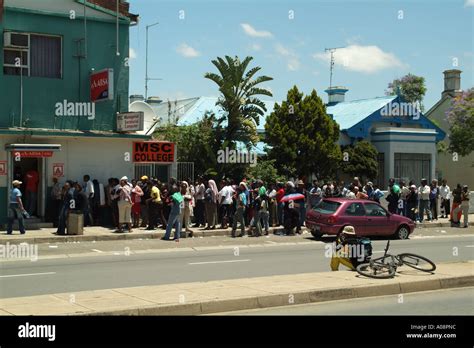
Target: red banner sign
[(32, 154), (153, 151), (102, 85)]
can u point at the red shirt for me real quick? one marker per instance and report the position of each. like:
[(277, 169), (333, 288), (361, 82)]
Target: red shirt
[(280, 194), (32, 181)]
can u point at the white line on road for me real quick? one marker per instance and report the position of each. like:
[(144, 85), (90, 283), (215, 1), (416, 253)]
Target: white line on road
[(97, 250), (26, 274), (209, 262), (469, 246)]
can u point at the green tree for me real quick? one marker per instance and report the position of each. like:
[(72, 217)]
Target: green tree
[(461, 121), (303, 138), (264, 170), (360, 160), (239, 90), (410, 87)]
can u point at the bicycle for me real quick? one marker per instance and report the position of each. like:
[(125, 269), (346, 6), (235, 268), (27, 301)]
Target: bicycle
[(385, 267)]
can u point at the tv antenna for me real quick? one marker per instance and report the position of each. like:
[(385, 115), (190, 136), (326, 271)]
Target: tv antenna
[(331, 67)]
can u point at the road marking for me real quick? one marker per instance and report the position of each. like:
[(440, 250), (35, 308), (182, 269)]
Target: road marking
[(25, 275), (97, 250), (469, 246), (209, 262)]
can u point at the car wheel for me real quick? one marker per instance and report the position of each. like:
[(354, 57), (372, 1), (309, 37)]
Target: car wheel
[(316, 234), (403, 232)]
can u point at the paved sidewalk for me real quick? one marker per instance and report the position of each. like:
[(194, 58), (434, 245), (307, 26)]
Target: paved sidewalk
[(97, 233), (238, 294)]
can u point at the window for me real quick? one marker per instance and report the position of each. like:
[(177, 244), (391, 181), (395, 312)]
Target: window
[(412, 166), (375, 210), (327, 207), (36, 55), (355, 209)]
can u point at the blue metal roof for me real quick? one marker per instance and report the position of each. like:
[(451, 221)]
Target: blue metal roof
[(348, 114)]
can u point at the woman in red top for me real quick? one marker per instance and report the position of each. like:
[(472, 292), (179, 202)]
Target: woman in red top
[(280, 206), (137, 193)]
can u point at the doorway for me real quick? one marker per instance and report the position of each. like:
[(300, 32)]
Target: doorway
[(29, 172)]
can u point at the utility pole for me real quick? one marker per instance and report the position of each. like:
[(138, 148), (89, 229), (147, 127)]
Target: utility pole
[(146, 63), (331, 50)]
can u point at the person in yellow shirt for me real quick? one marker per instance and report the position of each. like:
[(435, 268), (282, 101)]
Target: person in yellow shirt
[(342, 252), (154, 203)]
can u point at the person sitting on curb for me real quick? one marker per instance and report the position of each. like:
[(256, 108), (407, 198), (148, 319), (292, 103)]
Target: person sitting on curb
[(342, 252)]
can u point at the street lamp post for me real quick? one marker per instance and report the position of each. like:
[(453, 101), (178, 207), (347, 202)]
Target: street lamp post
[(146, 63)]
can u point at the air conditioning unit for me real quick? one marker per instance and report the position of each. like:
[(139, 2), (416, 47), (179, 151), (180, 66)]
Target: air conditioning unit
[(16, 40)]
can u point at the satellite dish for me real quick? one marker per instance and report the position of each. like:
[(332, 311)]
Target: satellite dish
[(149, 116)]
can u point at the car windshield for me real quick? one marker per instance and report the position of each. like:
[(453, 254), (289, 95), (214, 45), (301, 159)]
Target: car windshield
[(327, 207)]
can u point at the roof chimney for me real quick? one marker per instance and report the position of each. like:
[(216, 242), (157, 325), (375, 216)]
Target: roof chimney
[(336, 95), (452, 83)]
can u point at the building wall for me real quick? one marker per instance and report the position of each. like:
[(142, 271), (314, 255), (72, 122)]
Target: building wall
[(41, 94), (460, 171)]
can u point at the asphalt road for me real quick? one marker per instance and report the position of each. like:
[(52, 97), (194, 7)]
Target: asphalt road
[(154, 267), (458, 301)]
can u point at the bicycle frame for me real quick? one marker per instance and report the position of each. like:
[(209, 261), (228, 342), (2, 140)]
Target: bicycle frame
[(394, 259)]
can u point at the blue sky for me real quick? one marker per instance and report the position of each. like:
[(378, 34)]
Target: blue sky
[(382, 40)]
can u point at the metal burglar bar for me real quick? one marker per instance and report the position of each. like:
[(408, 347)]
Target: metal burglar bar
[(186, 171), (159, 171)]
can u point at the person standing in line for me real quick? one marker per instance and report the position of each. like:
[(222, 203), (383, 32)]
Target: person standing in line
[(15, 208), (272, 205), (226, 201), (174, 219), (89, 190), (412, 201), (464, 207), (82, 201), (199, 199), (186, 214), (125, 205), (153, 204), (32, 179), (210, 201), (434, 194), (239, 214), (144, 200), (457, 199), (301, 202), (445, 194), (404, 191), (56, 199), (424, 196), (377, 194), (314, 194), (68, 202), (137, 195), (280, 204), (263, 214)]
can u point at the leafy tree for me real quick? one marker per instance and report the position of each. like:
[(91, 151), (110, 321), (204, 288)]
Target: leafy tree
[(303, 138), (461, 120), (264, 170), (239, 88), (361, 160), (410, 87)]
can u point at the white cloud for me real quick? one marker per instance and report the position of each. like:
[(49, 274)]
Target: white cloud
[(292, 60), (132, 54), (256, 47), (187, 51), (365, 59), (251, 31), (469, 3)]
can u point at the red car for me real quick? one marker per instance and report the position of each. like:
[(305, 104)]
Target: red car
[(369, 218)]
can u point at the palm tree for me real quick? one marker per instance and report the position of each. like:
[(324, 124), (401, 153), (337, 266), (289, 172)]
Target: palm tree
[(238, 99)]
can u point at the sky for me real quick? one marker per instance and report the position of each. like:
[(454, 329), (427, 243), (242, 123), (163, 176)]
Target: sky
[(380, 40)]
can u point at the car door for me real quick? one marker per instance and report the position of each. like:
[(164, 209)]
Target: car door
[(378, 219), (355, 215)]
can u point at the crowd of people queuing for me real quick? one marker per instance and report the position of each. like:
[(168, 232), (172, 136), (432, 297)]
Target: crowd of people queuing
[(251, 206)]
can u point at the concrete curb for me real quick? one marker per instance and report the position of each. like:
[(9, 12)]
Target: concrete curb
[(303, 297)]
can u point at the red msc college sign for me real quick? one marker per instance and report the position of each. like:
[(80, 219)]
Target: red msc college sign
[(153, 152), (102, 85)]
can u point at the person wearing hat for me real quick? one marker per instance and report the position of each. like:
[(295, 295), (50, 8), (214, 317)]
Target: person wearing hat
[(125, 205), (16, 209), (342, 253), (464, 207)]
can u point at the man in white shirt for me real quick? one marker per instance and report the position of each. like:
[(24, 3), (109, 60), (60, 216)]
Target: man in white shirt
[(445, 194), (226, 203), (424, 194)]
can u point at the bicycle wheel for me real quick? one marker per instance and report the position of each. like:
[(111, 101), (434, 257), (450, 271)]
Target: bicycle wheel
[(376, 270), (417, 262)]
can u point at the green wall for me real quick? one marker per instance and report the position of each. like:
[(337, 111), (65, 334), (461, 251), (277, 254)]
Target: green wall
[(41, 94)]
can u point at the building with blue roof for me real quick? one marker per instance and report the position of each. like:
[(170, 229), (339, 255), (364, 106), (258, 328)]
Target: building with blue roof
[(405, 139)]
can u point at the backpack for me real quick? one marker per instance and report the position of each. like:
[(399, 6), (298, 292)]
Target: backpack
[(364, 245)]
